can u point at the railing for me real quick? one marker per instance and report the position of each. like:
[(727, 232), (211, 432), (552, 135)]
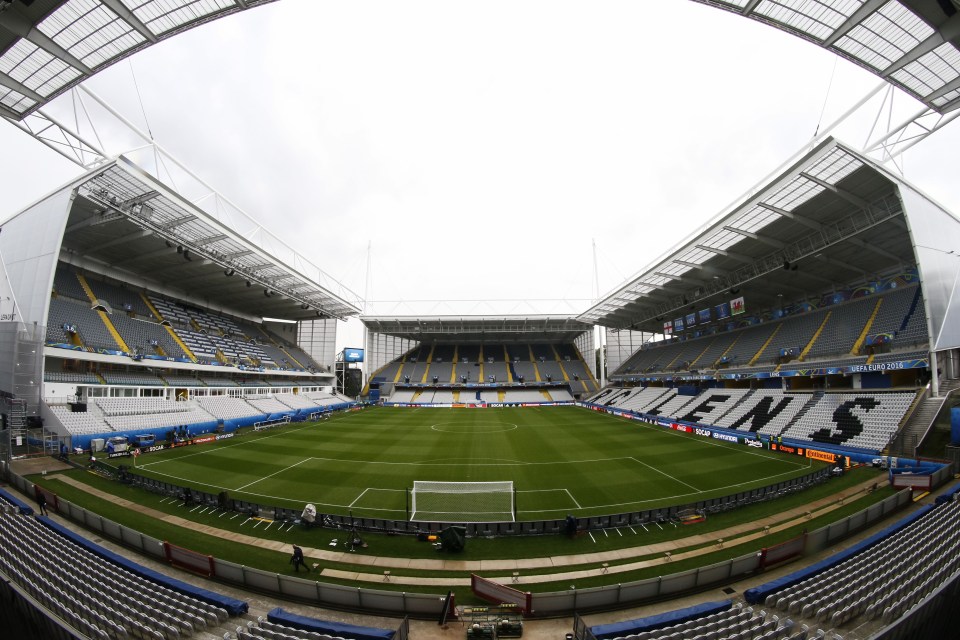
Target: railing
[(488, 529)]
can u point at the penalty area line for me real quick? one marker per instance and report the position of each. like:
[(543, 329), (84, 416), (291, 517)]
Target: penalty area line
[(574, 499), (667, 474), (273, 474), (357, 499)]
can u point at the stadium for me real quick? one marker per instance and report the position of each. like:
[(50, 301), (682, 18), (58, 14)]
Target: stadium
[(745, 439)]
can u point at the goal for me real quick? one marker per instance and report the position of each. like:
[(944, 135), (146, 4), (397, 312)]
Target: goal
[(462, 501)]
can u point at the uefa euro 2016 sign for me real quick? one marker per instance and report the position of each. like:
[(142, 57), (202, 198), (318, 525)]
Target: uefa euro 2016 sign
[(352, 355)]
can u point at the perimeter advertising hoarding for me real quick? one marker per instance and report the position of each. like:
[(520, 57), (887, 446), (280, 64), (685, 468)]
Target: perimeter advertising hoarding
[(691, 319), (814, 454), (704, 315), (678, 324), (352, 355), (723, 310)]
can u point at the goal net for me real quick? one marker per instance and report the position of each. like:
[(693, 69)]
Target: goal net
[(462, 501)]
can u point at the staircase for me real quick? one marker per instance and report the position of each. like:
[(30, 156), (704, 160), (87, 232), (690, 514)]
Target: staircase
[(911, 434), (907, 439)]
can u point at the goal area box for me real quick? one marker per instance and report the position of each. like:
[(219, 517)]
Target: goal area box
[(462, 502)]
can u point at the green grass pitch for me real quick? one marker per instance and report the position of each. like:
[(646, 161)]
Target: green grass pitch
[(562, 460)]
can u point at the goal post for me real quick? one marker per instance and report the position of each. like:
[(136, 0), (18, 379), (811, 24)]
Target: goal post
[(432, 501)]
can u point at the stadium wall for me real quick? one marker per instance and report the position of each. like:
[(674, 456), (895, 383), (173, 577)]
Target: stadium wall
[(318, 338), (21, 362), (30, 246), (621, 344), (382, 349), (935, 234), (586, 344)]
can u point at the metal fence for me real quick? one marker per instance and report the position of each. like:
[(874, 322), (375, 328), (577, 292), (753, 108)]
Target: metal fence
[(488, 529)]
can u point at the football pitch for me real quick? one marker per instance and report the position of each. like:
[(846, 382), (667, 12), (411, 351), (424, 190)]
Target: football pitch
[(562, 460)]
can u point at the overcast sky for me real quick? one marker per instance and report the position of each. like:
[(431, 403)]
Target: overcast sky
[(480, 148)]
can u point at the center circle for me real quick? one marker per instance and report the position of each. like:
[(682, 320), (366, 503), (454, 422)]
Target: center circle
[(483, 427)]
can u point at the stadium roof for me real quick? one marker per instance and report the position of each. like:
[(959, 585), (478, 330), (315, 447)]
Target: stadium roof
[(125, 223), (49, 46), (830, 220), (477, 329), (913, 44)]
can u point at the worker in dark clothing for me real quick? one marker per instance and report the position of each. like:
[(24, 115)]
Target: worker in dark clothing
[(297, 559), (42, 503)]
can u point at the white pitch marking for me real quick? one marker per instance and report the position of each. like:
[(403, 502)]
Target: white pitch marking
[(634, 530), (640, 502), (668, 475), (235, 515), (574, 499), (591, 537), (350, 506), (618, 531), (273, 474)]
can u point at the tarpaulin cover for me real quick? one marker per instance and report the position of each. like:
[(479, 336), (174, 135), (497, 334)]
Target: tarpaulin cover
[(651, 623), (454, 538), (233, 606), (335, 629)]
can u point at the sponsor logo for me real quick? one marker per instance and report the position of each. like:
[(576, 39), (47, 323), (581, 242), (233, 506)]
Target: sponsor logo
[(156, 447), (754, 443), (820, 455), (880, 366), (204, 439), (787, 448), (702, 432), (681, 427), (224, 436), (724, 437)]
